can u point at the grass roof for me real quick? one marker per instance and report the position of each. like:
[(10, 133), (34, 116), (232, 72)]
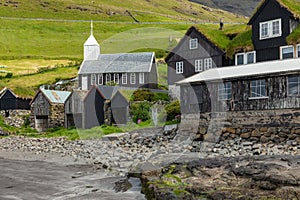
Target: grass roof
[(291, 5), (233, 37)]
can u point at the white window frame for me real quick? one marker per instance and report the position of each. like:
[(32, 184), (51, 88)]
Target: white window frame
[(179, 67), (245, 57), (141, 78), (283, 47), (124, 78), (193, 43), (259, 86), (100, 79), (93, 79), (269, 25), (116, 78), (298, 46), (297, 83), (224, 91), (107, 78), (207, 63), (132, 78), (199, 65)]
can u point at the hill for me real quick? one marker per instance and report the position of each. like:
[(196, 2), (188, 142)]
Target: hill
[(33, 33), (241, 7)]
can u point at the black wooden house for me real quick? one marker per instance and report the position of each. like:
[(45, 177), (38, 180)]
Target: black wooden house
[(10, 101), (272, 23)]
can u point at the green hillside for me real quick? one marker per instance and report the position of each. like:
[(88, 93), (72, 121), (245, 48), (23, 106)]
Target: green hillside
[(34, 33)]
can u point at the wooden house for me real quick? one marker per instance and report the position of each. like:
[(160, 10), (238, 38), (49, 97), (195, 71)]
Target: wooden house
[(100, 105), (272, 22), (123, 69), (268, 85), (10, 101), (194, 53), (47, 109)]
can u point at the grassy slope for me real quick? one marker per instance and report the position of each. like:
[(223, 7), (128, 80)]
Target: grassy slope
[(30, 44)]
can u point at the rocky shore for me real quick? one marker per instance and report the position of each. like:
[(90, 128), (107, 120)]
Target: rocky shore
[(150, 154)]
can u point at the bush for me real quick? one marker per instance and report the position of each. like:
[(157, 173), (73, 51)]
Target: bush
[(160, 96), (140, 111), (142, 95), (173, 111)]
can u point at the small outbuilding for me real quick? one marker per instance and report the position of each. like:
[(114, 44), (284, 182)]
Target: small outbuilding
[(10, 101), (47, 109)]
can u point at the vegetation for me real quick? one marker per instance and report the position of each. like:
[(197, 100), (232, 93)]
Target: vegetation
[(173, 111), (140, 111)]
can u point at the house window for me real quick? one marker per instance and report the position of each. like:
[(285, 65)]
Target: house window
[(141, 78), (116, 78), (224, 91), (286, 52), (270, 29), (179, 67), (100, 79), (93, 79), (294, 85), (207, 63), (198, 66), (108, 78), (132, 78), (258, 89), (124, 78), (298, 51), (245, 58), (194, 43)]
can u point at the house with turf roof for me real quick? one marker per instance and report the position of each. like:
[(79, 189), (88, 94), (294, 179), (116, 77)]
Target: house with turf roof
[(123, 69), (47, 109)]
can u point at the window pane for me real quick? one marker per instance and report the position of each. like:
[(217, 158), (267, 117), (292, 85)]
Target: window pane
[(275, 27), (294, 85), (240, 59), (264, 30), (287, 52), (298, 51), (224, 91), (258, 88), (250, 58), (194, 43)]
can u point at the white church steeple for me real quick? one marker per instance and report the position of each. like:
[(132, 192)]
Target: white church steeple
[(91, 47)]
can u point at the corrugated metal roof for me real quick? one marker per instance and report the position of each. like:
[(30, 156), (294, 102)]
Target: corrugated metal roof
[(80, 93), (56, 96), (256, 69), (118, 63)]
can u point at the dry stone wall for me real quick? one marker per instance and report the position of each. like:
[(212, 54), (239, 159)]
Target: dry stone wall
[(264, 126)]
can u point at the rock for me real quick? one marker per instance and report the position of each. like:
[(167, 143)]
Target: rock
[(245, 135)]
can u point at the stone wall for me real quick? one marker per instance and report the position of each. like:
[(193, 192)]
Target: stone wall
[(16, 118), (174, 92), (275, 126), (56, 116)]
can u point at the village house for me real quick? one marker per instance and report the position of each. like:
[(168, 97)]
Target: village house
[(194, 53), (255, 100), (100, 105), (123, 69), (47, 109), (10, 101)]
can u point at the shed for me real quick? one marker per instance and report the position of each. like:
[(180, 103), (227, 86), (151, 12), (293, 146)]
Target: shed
[(47, 109)]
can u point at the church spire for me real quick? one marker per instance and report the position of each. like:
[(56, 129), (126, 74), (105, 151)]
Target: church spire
[(91, 27)]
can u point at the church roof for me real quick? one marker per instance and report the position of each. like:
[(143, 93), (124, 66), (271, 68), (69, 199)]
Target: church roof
[(118, 63), (91, 41)]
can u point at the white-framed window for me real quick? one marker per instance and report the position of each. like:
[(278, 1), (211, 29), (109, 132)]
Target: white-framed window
[(93, 79), (294, 85), (108, 78), (124, 78), (116, 78), (132, 78), (207, 63), (286, 52), (224, 91), (179, 67), (198, 65), (245, 58), (100, 79), (270, 29), (194, 43), (141, 78), (298, 50), (258, 89)]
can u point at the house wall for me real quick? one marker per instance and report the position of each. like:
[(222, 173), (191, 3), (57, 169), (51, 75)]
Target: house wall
[(264, 126), (119, 109), (93, 109), (204, 97), (182, 52), (268, 49), (73, 111), (8, 101)]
